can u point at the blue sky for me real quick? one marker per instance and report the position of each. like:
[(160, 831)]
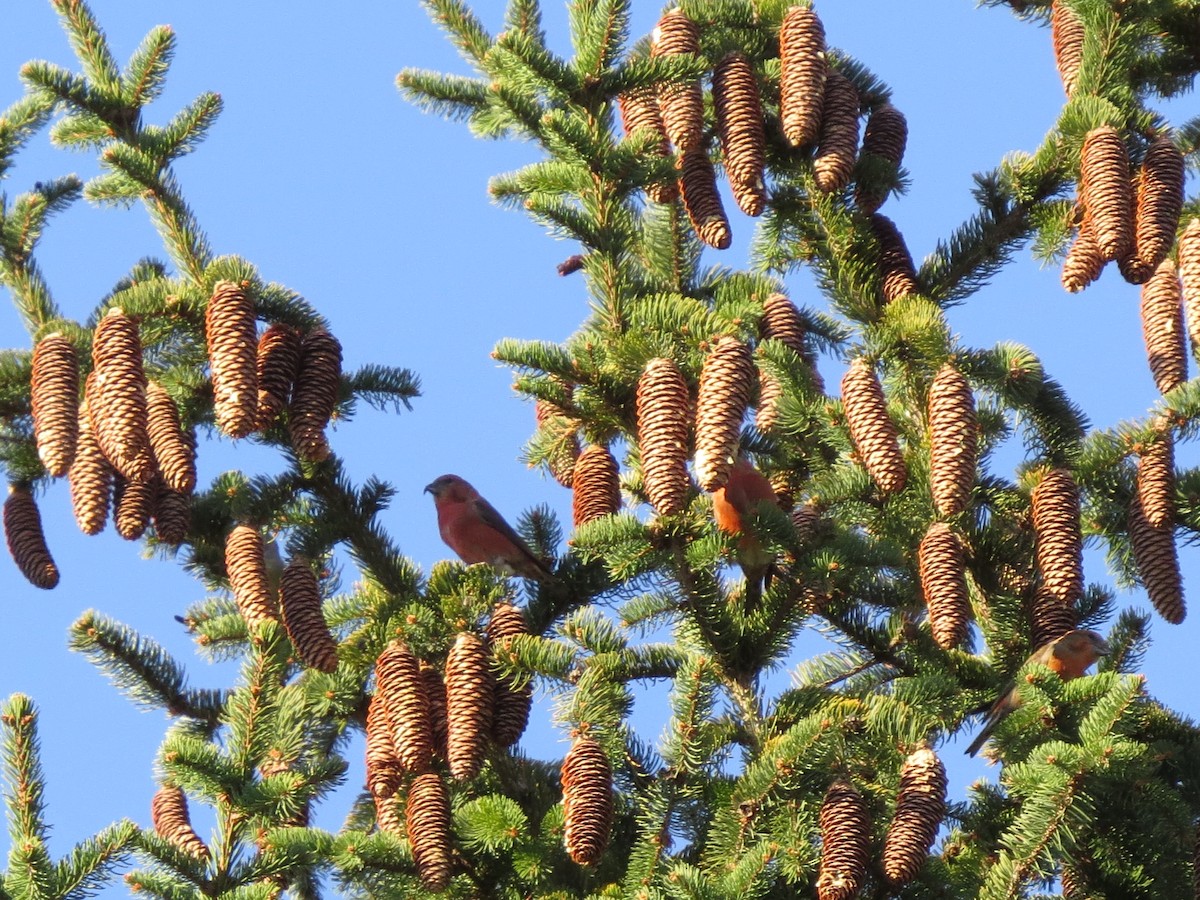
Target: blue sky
[(325, 178)]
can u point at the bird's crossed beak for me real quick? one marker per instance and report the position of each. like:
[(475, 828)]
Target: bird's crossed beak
[(429, 489)]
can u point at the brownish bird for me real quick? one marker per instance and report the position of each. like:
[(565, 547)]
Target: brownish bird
[(1068, 656), (733, 506)]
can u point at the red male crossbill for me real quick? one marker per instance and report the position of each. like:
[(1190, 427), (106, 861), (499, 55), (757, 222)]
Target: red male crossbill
[(1068, 656), (733, 506), (478, 534)]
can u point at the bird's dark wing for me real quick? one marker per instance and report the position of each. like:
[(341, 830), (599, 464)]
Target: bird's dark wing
[(998, 710), (492, 517)]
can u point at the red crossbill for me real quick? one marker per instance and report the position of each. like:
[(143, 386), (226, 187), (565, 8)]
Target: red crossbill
[(478, 534), (733, 506), (1068, 656)]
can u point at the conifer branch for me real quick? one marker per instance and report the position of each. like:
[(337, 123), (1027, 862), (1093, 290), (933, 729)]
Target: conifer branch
[(30, 872)]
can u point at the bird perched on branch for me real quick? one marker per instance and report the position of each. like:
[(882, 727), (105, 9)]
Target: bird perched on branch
[(1068, 656), (473, 529), (733, 507)]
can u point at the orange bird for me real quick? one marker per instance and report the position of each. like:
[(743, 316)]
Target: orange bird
[(478, 534), (1068, 656), (733, 505)]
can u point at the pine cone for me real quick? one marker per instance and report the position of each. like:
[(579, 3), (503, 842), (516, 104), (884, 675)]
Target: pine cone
[(1157, 563), (740, 125), (1156, 479), (1059, 539), (698, 182), (802, 75), (770, 391), (133, 505), (91, 479), (1159, 201), (277, 363), (561, 464), (388, 818), (953, 441), (806, 517), (1189, 272), (920, 808), (781, 321), (1105, 190), (1162, 327), (1052, 618), (681, 104), (173, 451), (54, 393), (427, 821), (172, 514), (117, 393), (384, 769), (883, 145), (587, 800), (470, 695), (833, 163), (315, 396), (845, 842), (247, 571), (300, 600), (944, 584), (663, 401), (871, 428), (169, 814), (1067, 33), (597, 486), (27, 540), (512, 703), (726, 382), (640, 110), (897, 274), (435, 697), (231, 330), (1084, 262), (398, 682)]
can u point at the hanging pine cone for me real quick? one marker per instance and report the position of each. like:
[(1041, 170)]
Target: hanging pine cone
[(682, 104), (833, 163), (1051, 617), (277, 362), (640, 110), (883, 145), (587, 800), (512, 703), (1084, 262), (388, 817), (562, 462), (944, 584), (806, 517), (726, 382), (173, 451), (781, 321), (698, 182), (171, 514), (133, 505), (470, 695), (953, 441), (117, 393), (770, 392), (398, 681), (1066, 32), (231, 330), (871, 428), (662, 426), (740, 125), (54, 395), (247, 570), (802, 75), (1159, 202), (597, 486), (1059, 538), (435, 697), (897, 274), (1105, 190), (91, 479), (1189, 273), (920, 808), (384, 769), (1162, 327), (169, 815), (1157, 563), (427, 821), (1156, 479), (300, 600), (845, 842), (27, 540), (315, 396)]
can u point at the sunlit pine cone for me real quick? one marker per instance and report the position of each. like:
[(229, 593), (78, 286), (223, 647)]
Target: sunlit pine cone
[(1162, 327), (470, 698), (726, 382), (117, 396), (806, 517), (953, 441), (173, 451), (384, 769), (315, 395), (781, 321), (944, 584), (246, 567), (639, 109), (596, 485), (54, 394), (770, 391), (871, 428), (26, 539), (1105, 190), (701, 200), (681, 104), (435, 697), (897, 274), (512, 703), (91, 479), (1189, 272), (662, 427), (1051, 617), (169, 815), (884, 139), (133, 506), (427, 821), (388, 817), (232, 333), (277, 363), (1084, 262), (1156, 480), (845, 842), (1157, 563), (802, 75), (833, 164), (171, 515), (300, 601), (398, 681), (1159, 201), (1059, 537), (920, 809), (1067, 33), (587, 800), (562, 465), (740, 125)]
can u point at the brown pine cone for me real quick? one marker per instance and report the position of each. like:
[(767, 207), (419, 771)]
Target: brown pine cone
[(1156, 479), (173, 451), (781, 321), (770, 391), (231, 330), (833, 163), (315, 396), (897, 274), (388, 817), (1105, 190), (562, 464), (806, 517), (1159, 202), (435, 697), (171, 515), (587, 800), (802, 75), (117, 395), (247, 570), (1059, 538), (384, 769), (398, 681), (169, 815), (845, 842), (920, 808), (640, 110), (1133, 269), (1066, 32), (953, 441), (427, 821), (300, 600), (54, 394), (1157, 563), (726, 382), (26, 539), (512, 703), (884, 139), (1189, 273), (681, 104), (663, 401), (133, 505), (871, 428), (1162, 327), (740, 125), (91, 479), (277, 362), (596, 485), (701, 200), (1084, 263), (1051, 617), (944, 584), (470, 697)]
